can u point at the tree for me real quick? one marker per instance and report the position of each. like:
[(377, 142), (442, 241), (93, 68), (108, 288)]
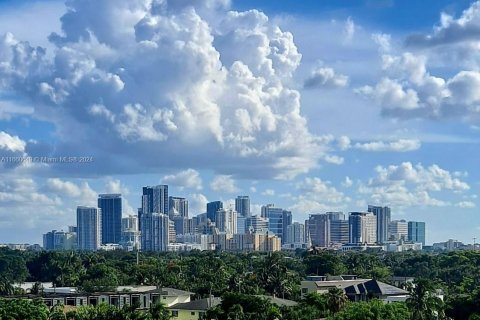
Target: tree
[(336, 300), (423, 303)]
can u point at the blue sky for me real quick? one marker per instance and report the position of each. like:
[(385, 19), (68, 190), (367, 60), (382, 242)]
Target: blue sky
[(313, 106)]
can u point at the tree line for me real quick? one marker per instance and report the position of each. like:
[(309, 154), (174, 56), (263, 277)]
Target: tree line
[(245, 276)]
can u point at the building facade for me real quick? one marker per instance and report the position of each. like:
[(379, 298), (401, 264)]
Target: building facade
[(111, 206), (89, 228), (362, 228), (130, 233), (296, 233), (398, 230), (242, 206), (178, 207), (416, 231), (318, 227), (383, 215), (155, 233), (212, 208)]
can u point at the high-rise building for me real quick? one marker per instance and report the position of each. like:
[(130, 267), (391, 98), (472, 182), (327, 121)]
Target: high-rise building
[(242, 206), (333, 216), (178, 207), (155, 199), (181, 225), (155, 232), (265, 208), (212, 208), (416, 231), (296, 233), (318, 228), (226, 221), (278, 220), (111, 205), (130, 233), (59, 240), (383, 215), (89, 228), (398, 230), (256, 224), (241, 224), (362, 227), (287, 221), (339, 232)]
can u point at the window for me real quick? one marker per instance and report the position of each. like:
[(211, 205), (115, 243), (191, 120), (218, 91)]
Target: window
[(70, 301), (93, 301), (304, 290), (192, 313), (175, 313)]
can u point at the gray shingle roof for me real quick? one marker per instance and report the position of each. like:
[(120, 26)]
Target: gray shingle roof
[(201, 304)]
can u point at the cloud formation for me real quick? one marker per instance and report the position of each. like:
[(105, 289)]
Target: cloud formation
[(189, 178), (325, 78), (188, 77)]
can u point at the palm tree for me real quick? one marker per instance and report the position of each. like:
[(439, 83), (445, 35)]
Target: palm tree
[(336, 300), (423, 304), (6, 287)]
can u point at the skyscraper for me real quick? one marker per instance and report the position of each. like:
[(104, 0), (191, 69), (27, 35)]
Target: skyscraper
[(286, 221), (363, 228), (383, 215), (242, 206), (276, 218), (256, 224), (296, 233), (130, 233), (318, 228), (89, 228), (212, 208), (155, 199), (339, 232), (177, 207), (398, 230), (416, 231), (111, 205), (226, 221), (155, 232)]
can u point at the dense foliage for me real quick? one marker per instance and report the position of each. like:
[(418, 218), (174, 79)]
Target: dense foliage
[(250, 274)]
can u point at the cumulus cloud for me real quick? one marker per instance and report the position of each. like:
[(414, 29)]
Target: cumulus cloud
[(11, 143), (347, 183), (189, 77), (81, 193), (189, 178), (316, 195), (408, 185), (401, 145), (349, 29), (466, 204), (268, 192), (197, 203), (325, 78), (223, 183)]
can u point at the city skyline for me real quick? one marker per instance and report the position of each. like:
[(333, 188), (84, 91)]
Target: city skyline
[(314, 107)]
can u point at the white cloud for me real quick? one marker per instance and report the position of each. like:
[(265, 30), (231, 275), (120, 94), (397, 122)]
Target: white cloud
[(11, 143), (268, 192), (316, 195), (408, 185), (197, 203), (82, 194), (401, 145), (325, 78), (189, 178), (223, 183), (466, 204), (347, 183), (227, 96), (383, 41), (349, 29), (344, 143)]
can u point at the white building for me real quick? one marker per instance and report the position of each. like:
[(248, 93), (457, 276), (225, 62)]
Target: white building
[(226, 221), (362, 227), (89, 228), (155, 232), (398, 230), (130, 233)]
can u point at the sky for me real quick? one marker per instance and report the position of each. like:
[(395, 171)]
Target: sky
[(313, 106)]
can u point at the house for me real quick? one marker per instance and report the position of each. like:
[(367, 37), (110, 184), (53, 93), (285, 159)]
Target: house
[(355, 289), (141, 296), (193, 310)]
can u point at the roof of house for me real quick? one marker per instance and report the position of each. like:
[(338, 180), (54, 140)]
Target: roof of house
[(201, 304), (362, 286), (278, 301)]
